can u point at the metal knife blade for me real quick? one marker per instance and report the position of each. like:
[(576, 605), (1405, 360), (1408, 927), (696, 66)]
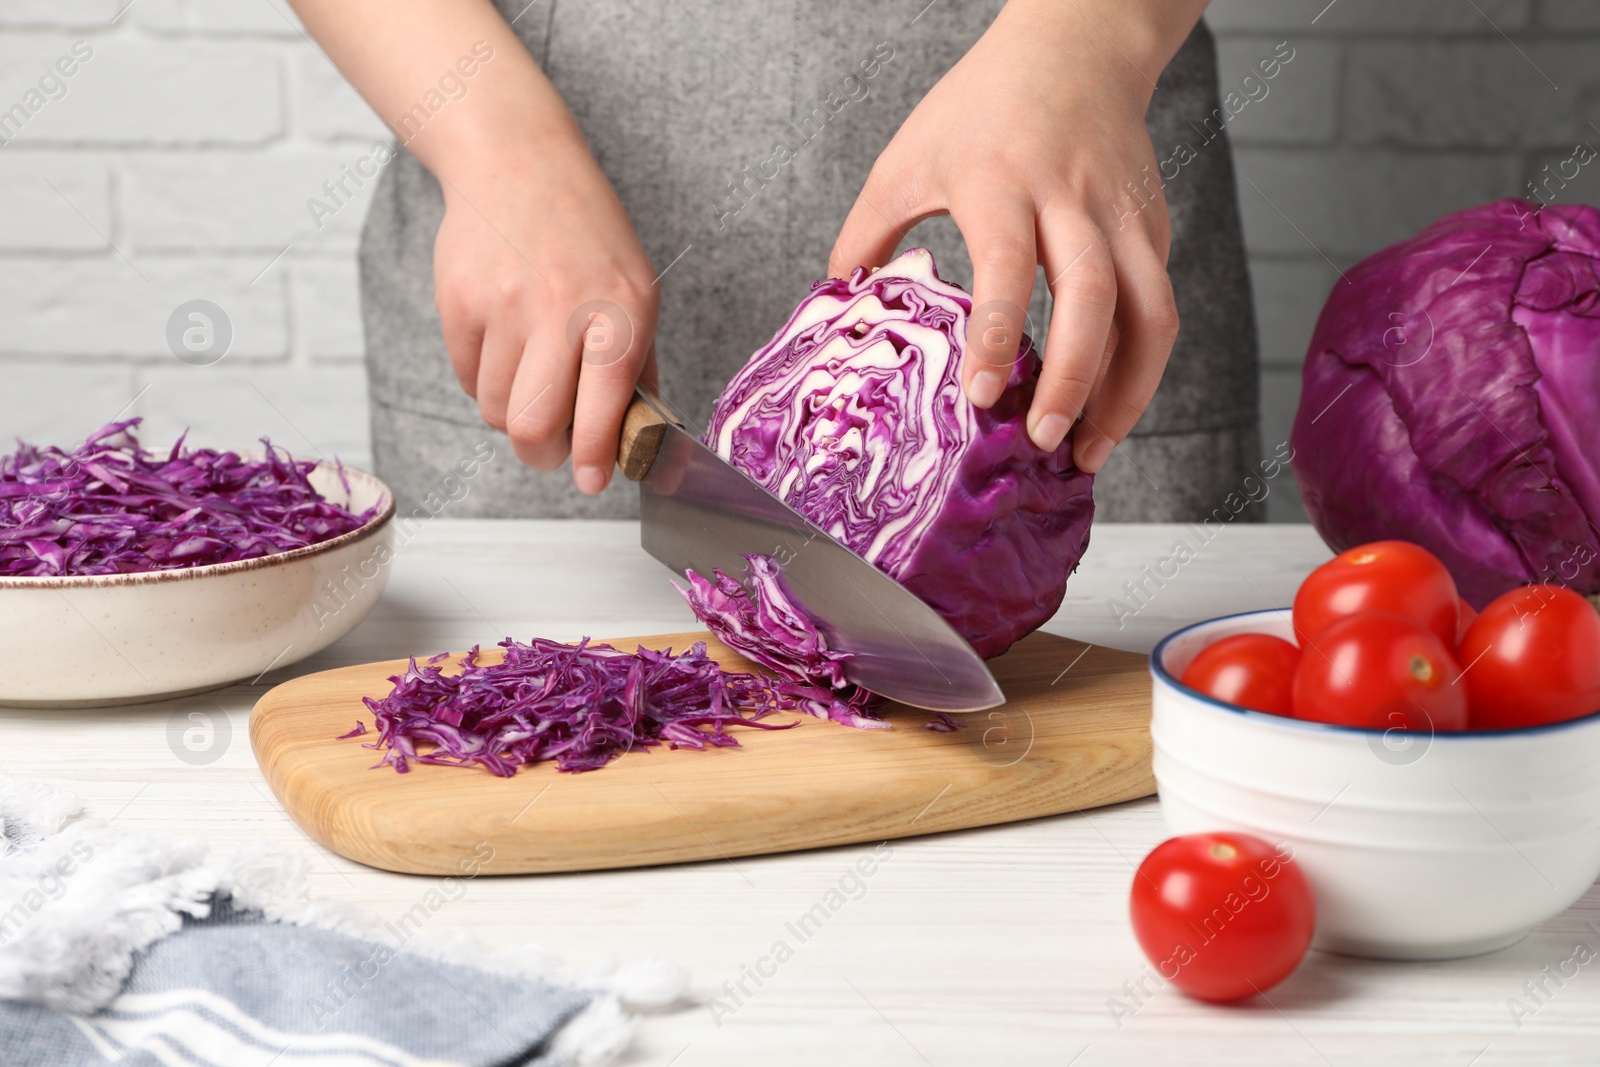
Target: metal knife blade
[(699, 512)]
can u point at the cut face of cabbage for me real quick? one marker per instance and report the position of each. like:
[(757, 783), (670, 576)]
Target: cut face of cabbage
[(854, 415)]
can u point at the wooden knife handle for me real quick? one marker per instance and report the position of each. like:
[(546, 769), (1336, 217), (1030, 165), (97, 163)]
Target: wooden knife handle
[(642, 431)]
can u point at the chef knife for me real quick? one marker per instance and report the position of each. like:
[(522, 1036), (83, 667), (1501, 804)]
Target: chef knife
[(700, 513)]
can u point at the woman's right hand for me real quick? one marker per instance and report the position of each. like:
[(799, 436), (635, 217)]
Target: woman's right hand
[(547, 298), (548, 301)]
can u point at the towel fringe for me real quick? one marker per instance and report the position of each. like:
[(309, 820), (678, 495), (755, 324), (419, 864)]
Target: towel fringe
[(80, 899)]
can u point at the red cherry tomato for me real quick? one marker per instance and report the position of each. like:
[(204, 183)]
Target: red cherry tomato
[(1222, 916), (1382, 671), (1465, 616), (1395, 576), (1250, 670), (1532, 657)]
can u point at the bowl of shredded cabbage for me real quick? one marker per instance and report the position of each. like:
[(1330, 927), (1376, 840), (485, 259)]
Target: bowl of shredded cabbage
[(129, 575)]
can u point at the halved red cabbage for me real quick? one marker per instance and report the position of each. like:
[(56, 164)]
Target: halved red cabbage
[(1451, 398), (580, 705), (854, 415), (110, 507)]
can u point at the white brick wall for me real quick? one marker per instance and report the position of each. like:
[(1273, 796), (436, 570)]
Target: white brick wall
[(178, 162), (177, 167)]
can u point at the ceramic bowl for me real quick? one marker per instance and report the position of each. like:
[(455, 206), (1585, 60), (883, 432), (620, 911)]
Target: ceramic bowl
[(1417, 847), (95, 640)]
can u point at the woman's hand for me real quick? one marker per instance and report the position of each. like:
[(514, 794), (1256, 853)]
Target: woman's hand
[(1033, 143), (547, 300)]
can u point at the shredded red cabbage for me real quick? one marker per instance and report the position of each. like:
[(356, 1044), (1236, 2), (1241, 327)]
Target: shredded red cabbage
[(764, 625), (580, 705), (110, 507)]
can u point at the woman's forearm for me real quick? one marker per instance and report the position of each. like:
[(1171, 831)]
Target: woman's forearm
[(1146, 33), (449, 77)]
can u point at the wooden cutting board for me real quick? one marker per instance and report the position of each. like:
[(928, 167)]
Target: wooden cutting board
[(1074, 734)]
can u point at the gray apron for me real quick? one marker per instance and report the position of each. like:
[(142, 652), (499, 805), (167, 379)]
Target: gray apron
[(682, 101)]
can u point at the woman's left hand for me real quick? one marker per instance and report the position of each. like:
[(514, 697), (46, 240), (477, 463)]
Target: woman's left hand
[(1033, 143)]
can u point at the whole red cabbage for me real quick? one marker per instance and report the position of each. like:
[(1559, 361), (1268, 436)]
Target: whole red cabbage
[(1452, 398), (854, 415), (110, 507)]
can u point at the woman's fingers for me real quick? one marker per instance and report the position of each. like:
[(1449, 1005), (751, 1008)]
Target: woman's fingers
[(498, 360), (463, 339), (884, 211), (562, 383), (539, 411), (1148, 319), (615, 343), (1000, 240), (1083, 281), (649, 375)]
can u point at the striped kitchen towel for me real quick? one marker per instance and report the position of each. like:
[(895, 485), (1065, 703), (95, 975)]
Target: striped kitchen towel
[(140, 951)]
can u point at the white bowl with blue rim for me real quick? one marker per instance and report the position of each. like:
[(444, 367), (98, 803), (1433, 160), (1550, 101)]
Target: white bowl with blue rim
[(1416, 846)]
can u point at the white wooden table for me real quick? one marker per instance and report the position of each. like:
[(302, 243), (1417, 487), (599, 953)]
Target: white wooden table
[(997, 946)]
